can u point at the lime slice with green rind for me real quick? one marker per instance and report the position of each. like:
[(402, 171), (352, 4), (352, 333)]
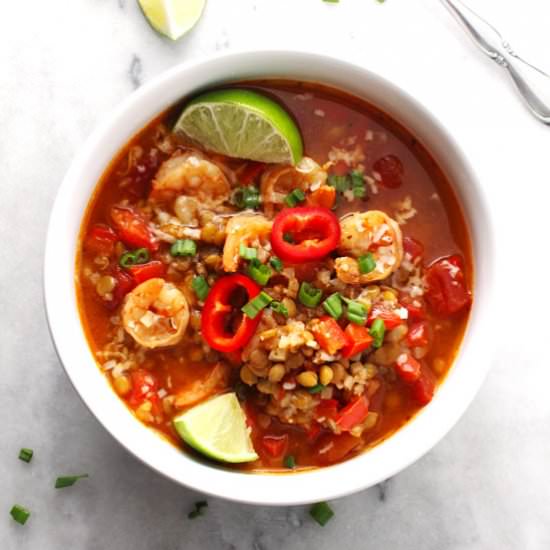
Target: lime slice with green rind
[(242, 124), (172, 18), (217, 428)]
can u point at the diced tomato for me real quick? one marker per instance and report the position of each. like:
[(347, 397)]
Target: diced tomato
[(329, 335), (447, 292), (275, 445), (324, 196), (143, 383), (124, 284), (327, 408), (415, 306), (407, 367), (101, 239), (250, 172), (418, 335), (353, 414), (423, 389), (389, 316), (132, 228), (358, 338), (305, 234), (150, 270), (334, 448), (313, 432), (391, 171), (413, 247)]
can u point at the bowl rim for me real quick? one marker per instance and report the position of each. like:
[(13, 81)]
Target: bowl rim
[(381, 462)]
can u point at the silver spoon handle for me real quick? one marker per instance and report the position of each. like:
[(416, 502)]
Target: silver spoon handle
[(532, 83)]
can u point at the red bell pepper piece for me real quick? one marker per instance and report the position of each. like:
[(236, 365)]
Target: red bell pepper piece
[(132, 228), (275, 445), (150, 270), (447, 292), (143, 384), (408, 368), (418, 335), (389, 316), (353, 414), (423, 389), (415, 306), (329, 335), (223, 325), (313, 233), (101, 239), (358, 338), (327, 408)]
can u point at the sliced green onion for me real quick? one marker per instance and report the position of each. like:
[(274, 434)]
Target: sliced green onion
[(259, 272), (26, 455), (139, 256), (20, 514), (356, 319), (367, 263), (201, 288), (67, 481), (198, 509), (296, 196), (333, 305), (377, 331), (247, 253), (252, 308), (358, 184), (316, 389), (288, 238), (340, 183), (357, 312), (309, 295), (359, 192), (276, 264), (278, 307), (247, 197), (321, 513), (183, 247), (289, 462)]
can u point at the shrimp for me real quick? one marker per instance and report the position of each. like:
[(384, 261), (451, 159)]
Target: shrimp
[(364, 232), (155, 314), (249, 230), (191, 174), (202, 388), (278, 181)]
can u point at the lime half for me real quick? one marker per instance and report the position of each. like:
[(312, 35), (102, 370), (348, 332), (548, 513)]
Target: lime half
[(172, 18), (217, 428), (242, 124)]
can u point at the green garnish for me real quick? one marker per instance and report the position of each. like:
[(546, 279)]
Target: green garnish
[(183, 247), (357, 312), (316, 389), (278, 307), (276, 264), (358, 184), (252, 308), (288, 238), (296, 196), (289, 462), (20, 514), (377, 331), (247, 197), (201, 288), (333, 305), (139, 256), (340, 183), (26, 455), (309, 295), (321, 513), (67, 481), (198, 511), (367, 263), (259, 272), (247, 253)]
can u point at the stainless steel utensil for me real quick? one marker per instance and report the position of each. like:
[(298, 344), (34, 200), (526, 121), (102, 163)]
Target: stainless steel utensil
[(532, 83)]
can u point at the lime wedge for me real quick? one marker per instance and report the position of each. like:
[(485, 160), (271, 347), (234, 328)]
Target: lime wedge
[(172, 18), (217, 428), (242, 124)]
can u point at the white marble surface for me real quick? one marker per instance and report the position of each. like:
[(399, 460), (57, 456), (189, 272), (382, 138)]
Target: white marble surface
[(65, 64)]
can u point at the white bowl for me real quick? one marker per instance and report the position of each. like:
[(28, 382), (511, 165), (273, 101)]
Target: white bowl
[(369, 468)]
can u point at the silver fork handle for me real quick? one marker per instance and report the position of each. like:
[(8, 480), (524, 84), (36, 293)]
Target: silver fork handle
[(532, 83)]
